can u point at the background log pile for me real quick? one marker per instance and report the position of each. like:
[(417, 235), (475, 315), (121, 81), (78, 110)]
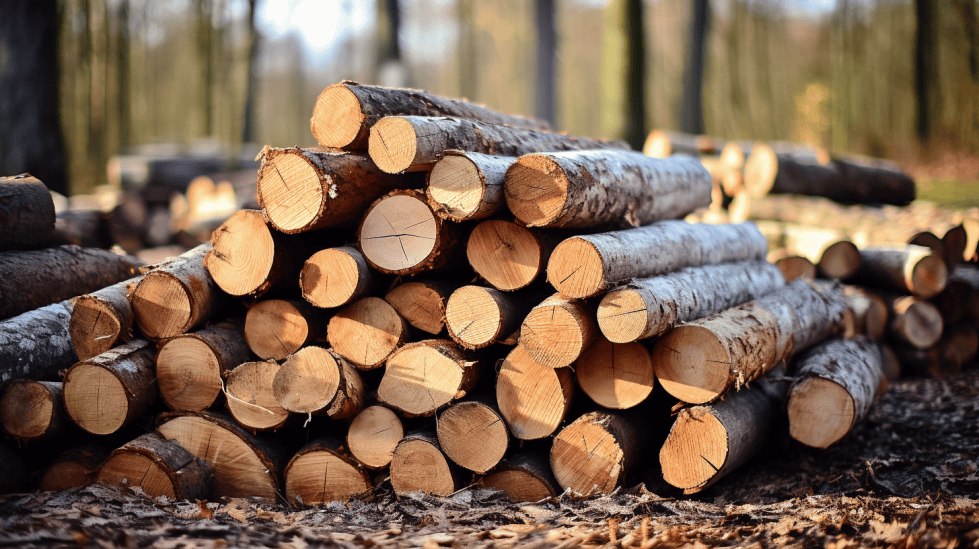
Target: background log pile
[(441, 295)]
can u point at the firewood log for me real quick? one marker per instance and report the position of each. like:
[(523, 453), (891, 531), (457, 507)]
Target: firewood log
[(615, 375), (277, 328), (422, 377), (466, 186), (33, 410), (367, 332), (970, 275), (595, 452), (103, 319), (831, 251), (419, 465), (477, 316), (250, 398), (322, 471), (533, 399), (961, 340), (77, 466), (86, 228), (869, 312), (913, 269), (914, 321), (558, 330), (508, 255), (159, 467), (373, 435), (27, 215), (473, 435), (662, 144), (955, 240), (315, 380), (422, 302), (523, 477), (36, 344), (793, 267), (335, 277)]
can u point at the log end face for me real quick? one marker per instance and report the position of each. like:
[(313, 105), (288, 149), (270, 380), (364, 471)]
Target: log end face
[(419, 465), (291, 191), (576, 269), (330, 278), (536, 190), (94, 327), (465, 423), (695, 450), (530, 396), (95, 399), (760, 170), (616, 375), (161, 306), (519, 485), (419, 304), (457, 186), (794, 267), (366, 332), (250, 398), (921, 324), (419, 379), (274, 329), (392, 144), (622, 316), (242, 253), (129, 469), (307, 381), (507, 255), (840, 260), (26, 409), (554, 335), (821, 412), (188, 374), (587, 459), (373, 436), (692, 364), (657, 144), (337, 118), (928, 277), (398, 233), (473, 317), (320, 476)]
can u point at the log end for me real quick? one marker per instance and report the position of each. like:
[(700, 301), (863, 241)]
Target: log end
[(94, 327), (275, 328), (473, 317), (457, 186), (161, 305), (132, 469), (322, 476), (188, 374), (586, 459), (462, 425), (615, 375), (419, 465), (307, 381), (519, 485), (760, 170), (821, 412), (622, 315), (291, 191), (27, 409), (420, 305), (399, 233), (373, 435), (576, 269), (366, 332), (242, 253), (95, 399), (338, 119), (536, 190), (840, 260), (657, 145), (556, 335), (419, 379), (695, 450), (533, 399), (250, 397), (692, 364), (330, 278), (917, 321), (507, 255), (795, 266), (928, 276), (392, 144)]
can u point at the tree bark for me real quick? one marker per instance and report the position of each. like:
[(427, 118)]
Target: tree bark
[(317, 381), (558, 330), (635, 68), (478, 317), (524, 477), (509, 256), (36, 344), (615, 375), (419, 465), (373, 435), (595, 452), (422, 303), (277, 328), (159, 467), (103, 319), (322, 471), (74, 467), (420, 378), (367, 332), (473, 435), (33, 410), (913, 269), (336, 277), (466, 186), (532, 398), (250, 398), (27, 216)]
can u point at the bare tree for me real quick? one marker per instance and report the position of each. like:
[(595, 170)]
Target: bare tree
[(692, 108), (926, 68), (546, 47), (251, 82), (635, 103)]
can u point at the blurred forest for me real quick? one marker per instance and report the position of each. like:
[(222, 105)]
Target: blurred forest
[(895, 78)]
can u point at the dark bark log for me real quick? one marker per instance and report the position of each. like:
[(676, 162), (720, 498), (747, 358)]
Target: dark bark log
[(158, 466), (26, 213)]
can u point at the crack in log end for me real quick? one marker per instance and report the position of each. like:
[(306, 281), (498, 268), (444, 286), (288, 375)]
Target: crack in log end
[(714, 467)]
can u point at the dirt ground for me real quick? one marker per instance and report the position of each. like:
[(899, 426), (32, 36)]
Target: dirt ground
[(906, 478)]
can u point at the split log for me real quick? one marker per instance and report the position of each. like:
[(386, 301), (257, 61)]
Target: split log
[(422, 302), (321, 472), (102, 320), (702, 360), (508, 255), (373, 435), (524, 477), (36, 344), (86, 228), (533, 399), (473, 435), (345, 112), (335, 277), (74, 467), (250, 398), (648, 307), (318, 381), (176, 297), (422, 377), (914, 321), (604, 188), (400, 234), (419, 465), (595, 452), (558, 330), (190, 368), (27, 214), (869, 313), (43, 277), (478, 317), (415, 143), (276, 328), (308, 189), (367, 332), (244, 465), (836, 382), (913, 269), (661, 144), (159, 467), (107, 392), (466, 186), (13, 471), (793, 267), (33, 410), (584, 266), (615, 375)]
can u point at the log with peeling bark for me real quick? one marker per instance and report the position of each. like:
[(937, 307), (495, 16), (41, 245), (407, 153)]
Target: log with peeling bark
[(276, 328), (315, 380), (558, 330), (422, 377), (524, 477), (415, 143), (190, 368), (584, 189), (27, 214), (33, 410), (473, 435), (418, 464), (584, 266), (595, 452), (77, 466), (13, 471), (373, 435), (177, 296), (107, 392), (335, 277), (914, 321), (869, 312), (367, 332), (913, 269), (648, 307), (533, 399), (244, 465), (36, 344), (250, 398), (158, 466), (477, 316), (43, 277), (508, 255), (422, 302), (345, 112), (615, 375), (702, 360), (322, 471), (466, 186), (103, 319), (307, 189), (835, 383)]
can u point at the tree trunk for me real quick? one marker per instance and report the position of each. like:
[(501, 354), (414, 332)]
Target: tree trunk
[(478, 317), (33, 410), (419, 465), (595, 452), (508, 255), (72, 468), (159, 467), (321, 472), (318, 381), (692, 109), (926, 68), (544, 90), (615, 375), (635, 68), (36, 344), (252, 76), (251, 400), (367, 332), (27, 216), (422, 303), (558, 330), (373, 435), (473, 435), (913, 269), (466, 186), (277, 328), (533, 399), (336, 277), (524, 477), (420, 378), (103, 319)]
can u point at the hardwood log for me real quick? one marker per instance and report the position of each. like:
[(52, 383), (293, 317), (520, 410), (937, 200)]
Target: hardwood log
[(869, 312), (558, 330), (367, 332), (103, 319), (86, 228), (533, 399), (419, 465), (315, 380), (595, 452), (322, 471), (473, 435), (373, 435), (335, 277), (421, 303), (913, 269), (914, 321), (27, 215), (422, 377), (128, 221), (615, 375), (466, 186), (250, 398), (509, 256), (33, 410), (477, 316), (77, 466), (159, 467), (36, 344), (277, 328), (832, 252), (524, 477), (793, 267)]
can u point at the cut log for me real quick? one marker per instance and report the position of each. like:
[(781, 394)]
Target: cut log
[(102, 320), (244, 465), (969, 275), (13, 471), (322, 471), (913, 269), (509, 256), (615, 375), (128, 221), (831, 251), (648, 307), (415, 143), (604, 188), (727, 179), (955, 240), (420, 378), (595, 452), (928, 240), (869, 313), (533, 399), (276, 328), (159, 467), (308, 189), (318, 381), (373, 435), (478, 317), (86, 228), (250, 397), (190, 368), (584, 266), (914, 321), (26, 213), (400, 234), (422, 302), (466, 186), (961, 340), (558, 330), (523, 477), (419, 465), (702, 360), (177, 296), (473, 435), (661, 144), (793, 267), (335, 277), (33, 410), (345, 112), (836, 382), (47, 276), (366, 332), (105, 393), (74, 467), (36, 344)]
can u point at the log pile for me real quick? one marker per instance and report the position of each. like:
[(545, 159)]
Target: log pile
[(442, 295)]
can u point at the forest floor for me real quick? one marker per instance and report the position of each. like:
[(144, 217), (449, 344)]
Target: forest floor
[(907, 477)]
